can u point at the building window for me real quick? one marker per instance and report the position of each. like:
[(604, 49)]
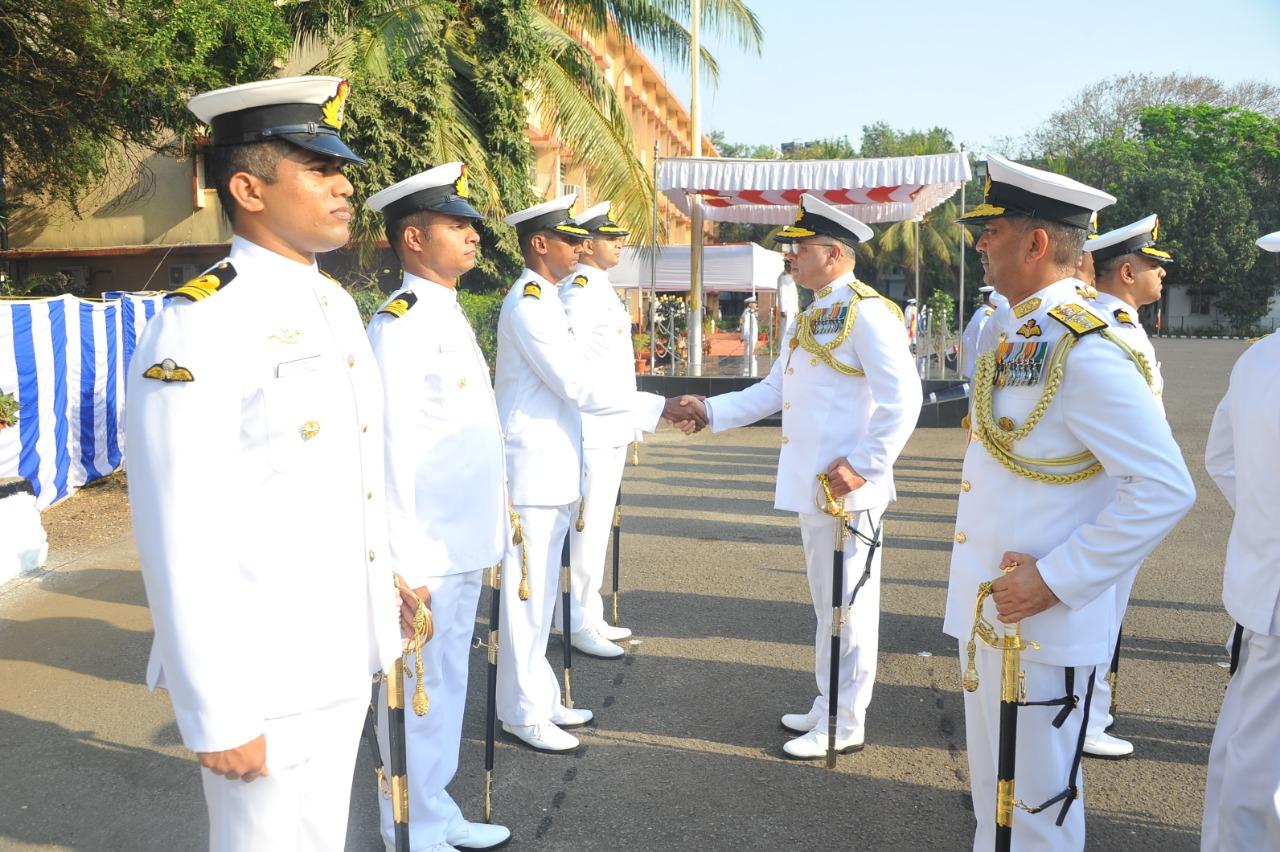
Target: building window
[(1201, 302)]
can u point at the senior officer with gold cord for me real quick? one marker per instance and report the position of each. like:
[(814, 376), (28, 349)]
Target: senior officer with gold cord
[(850, 396), (1129, 270), (446, 478), (1071, 478), (544, 384), (254, 421), (602, 326)]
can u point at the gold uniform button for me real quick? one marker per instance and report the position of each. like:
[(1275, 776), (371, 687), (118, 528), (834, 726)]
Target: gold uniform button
[(370, 555), (960, 538), (964, 485), (351, 360), (309, 430), (784, 439), (813, 362), (364, 428), (368, 495), (790, 370), (1006, 424), (786, 405)]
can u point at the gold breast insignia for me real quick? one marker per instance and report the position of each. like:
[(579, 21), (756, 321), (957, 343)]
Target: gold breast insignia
[(168, 371)]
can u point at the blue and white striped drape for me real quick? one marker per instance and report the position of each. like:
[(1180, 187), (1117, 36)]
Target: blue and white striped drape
[(64, 359)]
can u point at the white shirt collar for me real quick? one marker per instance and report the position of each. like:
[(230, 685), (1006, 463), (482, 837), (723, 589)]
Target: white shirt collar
[(429, 291), (263, 259)]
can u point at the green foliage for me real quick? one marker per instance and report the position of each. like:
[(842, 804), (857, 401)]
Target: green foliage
[(84, 80), (1212, 174), (482, 311), (9, 408), (367, 302), (941, 306)]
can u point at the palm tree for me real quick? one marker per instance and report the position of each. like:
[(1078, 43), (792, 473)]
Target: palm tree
[(386, 39)]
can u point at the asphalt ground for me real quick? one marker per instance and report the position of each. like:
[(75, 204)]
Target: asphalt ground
[(686, 752)]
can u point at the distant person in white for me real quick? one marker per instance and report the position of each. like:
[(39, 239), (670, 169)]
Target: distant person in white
[(788, 299), (973, 330), (750, 334)]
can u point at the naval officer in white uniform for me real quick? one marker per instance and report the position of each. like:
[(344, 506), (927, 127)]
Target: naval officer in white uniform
[(446, 480), (1242, 796), (254, 422), (973, 331), (1128, 271), (602, 327), (1088, 461), (544, 384), (850, 396)]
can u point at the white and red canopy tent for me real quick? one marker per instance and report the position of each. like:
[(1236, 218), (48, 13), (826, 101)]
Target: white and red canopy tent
[(877, 190), (732, 268)]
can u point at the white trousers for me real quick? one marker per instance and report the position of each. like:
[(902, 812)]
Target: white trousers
[(860, 633), (1242, 796), (432, 741), (602, 476), (528, 689), (1044, 759), (302, 805), (1102, 688)]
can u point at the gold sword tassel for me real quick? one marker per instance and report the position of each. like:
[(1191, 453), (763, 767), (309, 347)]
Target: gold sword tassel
[(517, 538)]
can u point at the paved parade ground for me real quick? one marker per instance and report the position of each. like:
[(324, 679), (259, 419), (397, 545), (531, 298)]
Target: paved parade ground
[(687, 750)]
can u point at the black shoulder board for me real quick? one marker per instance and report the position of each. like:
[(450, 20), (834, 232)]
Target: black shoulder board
[(400, 305), (580, 280), (205, 285), (534, 289), (1079, 319)]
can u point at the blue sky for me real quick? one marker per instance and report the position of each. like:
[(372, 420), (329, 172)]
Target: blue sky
[(984, 70)]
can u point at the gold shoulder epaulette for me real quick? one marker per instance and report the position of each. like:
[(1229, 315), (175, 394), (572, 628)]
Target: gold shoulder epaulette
[(204, 286), (534, 289), (990, 311), (331, 278), (400, 305), (1122, 316), (1079, 319), (580, 280), (864, 291)]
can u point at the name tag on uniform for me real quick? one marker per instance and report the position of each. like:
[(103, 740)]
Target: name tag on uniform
[(298, 365)]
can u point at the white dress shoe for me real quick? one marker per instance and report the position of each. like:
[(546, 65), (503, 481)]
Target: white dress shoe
[(590, 641), (800, 723), (813, 745), (1108, 747), (544, 737), (567, 717), (614, 634), (477, 835)]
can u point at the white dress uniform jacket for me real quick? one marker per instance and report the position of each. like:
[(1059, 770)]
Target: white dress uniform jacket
[(1085, 536), (602, 327), (446, 480), (1245, 433), (1127, 328), (256, 489), (826, 415), (544, 383)]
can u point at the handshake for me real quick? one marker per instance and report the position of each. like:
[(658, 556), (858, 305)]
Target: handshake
[(687, 413)]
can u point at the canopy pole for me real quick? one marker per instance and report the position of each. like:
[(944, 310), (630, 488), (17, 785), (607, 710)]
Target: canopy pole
[(960, 362), (653, 271), (695, 218)]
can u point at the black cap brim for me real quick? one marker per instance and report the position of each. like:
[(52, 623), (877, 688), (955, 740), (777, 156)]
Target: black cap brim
[(457, 207), (324, 143)]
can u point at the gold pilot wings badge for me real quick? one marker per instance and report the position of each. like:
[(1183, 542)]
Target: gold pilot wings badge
[(168, 371)]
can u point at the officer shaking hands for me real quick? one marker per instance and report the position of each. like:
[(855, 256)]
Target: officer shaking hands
[(544, 384)]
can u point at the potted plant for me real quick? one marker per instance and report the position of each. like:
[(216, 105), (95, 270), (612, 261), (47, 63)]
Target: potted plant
[(640, 345), (8, 410)]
